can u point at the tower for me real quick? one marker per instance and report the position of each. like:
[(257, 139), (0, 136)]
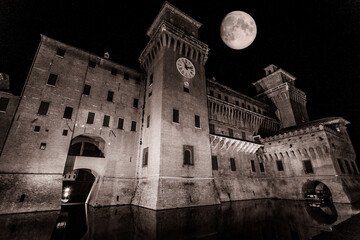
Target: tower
[(175, 167), (278, 87)]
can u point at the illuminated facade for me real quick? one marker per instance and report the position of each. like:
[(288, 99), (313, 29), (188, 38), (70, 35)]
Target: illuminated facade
[(166, 137)]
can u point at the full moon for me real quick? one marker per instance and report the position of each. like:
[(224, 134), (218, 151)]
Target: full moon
[(238, 30)]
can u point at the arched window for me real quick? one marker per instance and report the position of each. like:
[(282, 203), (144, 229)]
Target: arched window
[(188, 155)]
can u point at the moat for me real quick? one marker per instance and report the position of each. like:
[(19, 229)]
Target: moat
[(255, 219)]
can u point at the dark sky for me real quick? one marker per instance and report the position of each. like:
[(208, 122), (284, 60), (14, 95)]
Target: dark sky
[(316, 41)]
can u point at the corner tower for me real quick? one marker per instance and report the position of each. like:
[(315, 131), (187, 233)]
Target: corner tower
[(175, 161), (278, 88)]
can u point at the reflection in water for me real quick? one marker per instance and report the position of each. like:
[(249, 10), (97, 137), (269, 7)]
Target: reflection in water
[(256, 219)]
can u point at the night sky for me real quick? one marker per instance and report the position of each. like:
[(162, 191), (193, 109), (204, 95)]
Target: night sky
[(316, 41)]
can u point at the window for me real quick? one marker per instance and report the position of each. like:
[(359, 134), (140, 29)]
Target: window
[(148, 121), (133, 126), (188, 155), (43, 109), (254, 109), (211, 128), (110, 96), (68, 112), (279, 165), (249, 107), (341, 166), (211, 93), (214, 163), (197, 121), (231, 132), (253, 166), (121, 123), (106, 121), (261, 165), (243, 135), (52, 79), (243, 105), (150, 93), (65, 132), (92, 64), (232, 164), (126, 76), (348, 167), (237, 103), (60, 52), (186, 90), (90, 118), (308, 167), (175, 115), (219, 96), (113, 71), (37, 129), (226, 99), (135, 103), (150, 80), (43, 146), (145, 156), (354, 168), (87, 89), (3, 104)]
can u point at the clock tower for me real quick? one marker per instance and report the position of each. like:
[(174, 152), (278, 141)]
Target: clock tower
[(175, 158)]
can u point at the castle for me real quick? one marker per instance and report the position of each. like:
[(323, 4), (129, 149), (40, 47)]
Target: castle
[(167, 137)]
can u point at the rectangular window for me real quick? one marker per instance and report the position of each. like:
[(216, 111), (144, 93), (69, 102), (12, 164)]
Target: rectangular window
[(52, 79), (4, 103), (175, 115), (211, 93), (148, 121), (121, 123), (150, 79), (243, 105), (279, 165), (106, 121), (197, 121), (37, 129), (261, 165), (308, 167), (133, 126), (231, 132), (354, 168), (211, 128), (90, 118), (243, 135), (253, 166), (43, 109), (113, 71), (232, 164), (110, 96), (348, 167), (60, 52), (188, 155), (42, 146), (68, 112), (237, 103), (136, 103), (219, 96), (341, 166), (65, 132), (126, 76), (226, 99), (87, 89), (186, 90), (214, 162), (92, 64), (145, 156)]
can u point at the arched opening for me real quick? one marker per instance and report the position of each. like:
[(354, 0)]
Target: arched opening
[(77, 185), (87, 146)]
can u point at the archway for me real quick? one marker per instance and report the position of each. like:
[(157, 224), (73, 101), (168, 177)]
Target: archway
[(77, 186), (316, 191), (87, 146)]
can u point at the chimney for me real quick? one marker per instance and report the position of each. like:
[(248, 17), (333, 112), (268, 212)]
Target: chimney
[(270, 69)]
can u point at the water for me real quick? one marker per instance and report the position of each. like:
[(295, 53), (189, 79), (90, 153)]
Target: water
[(256, 219)]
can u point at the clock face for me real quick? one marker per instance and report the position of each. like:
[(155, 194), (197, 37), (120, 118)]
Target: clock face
[(185, 67)]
